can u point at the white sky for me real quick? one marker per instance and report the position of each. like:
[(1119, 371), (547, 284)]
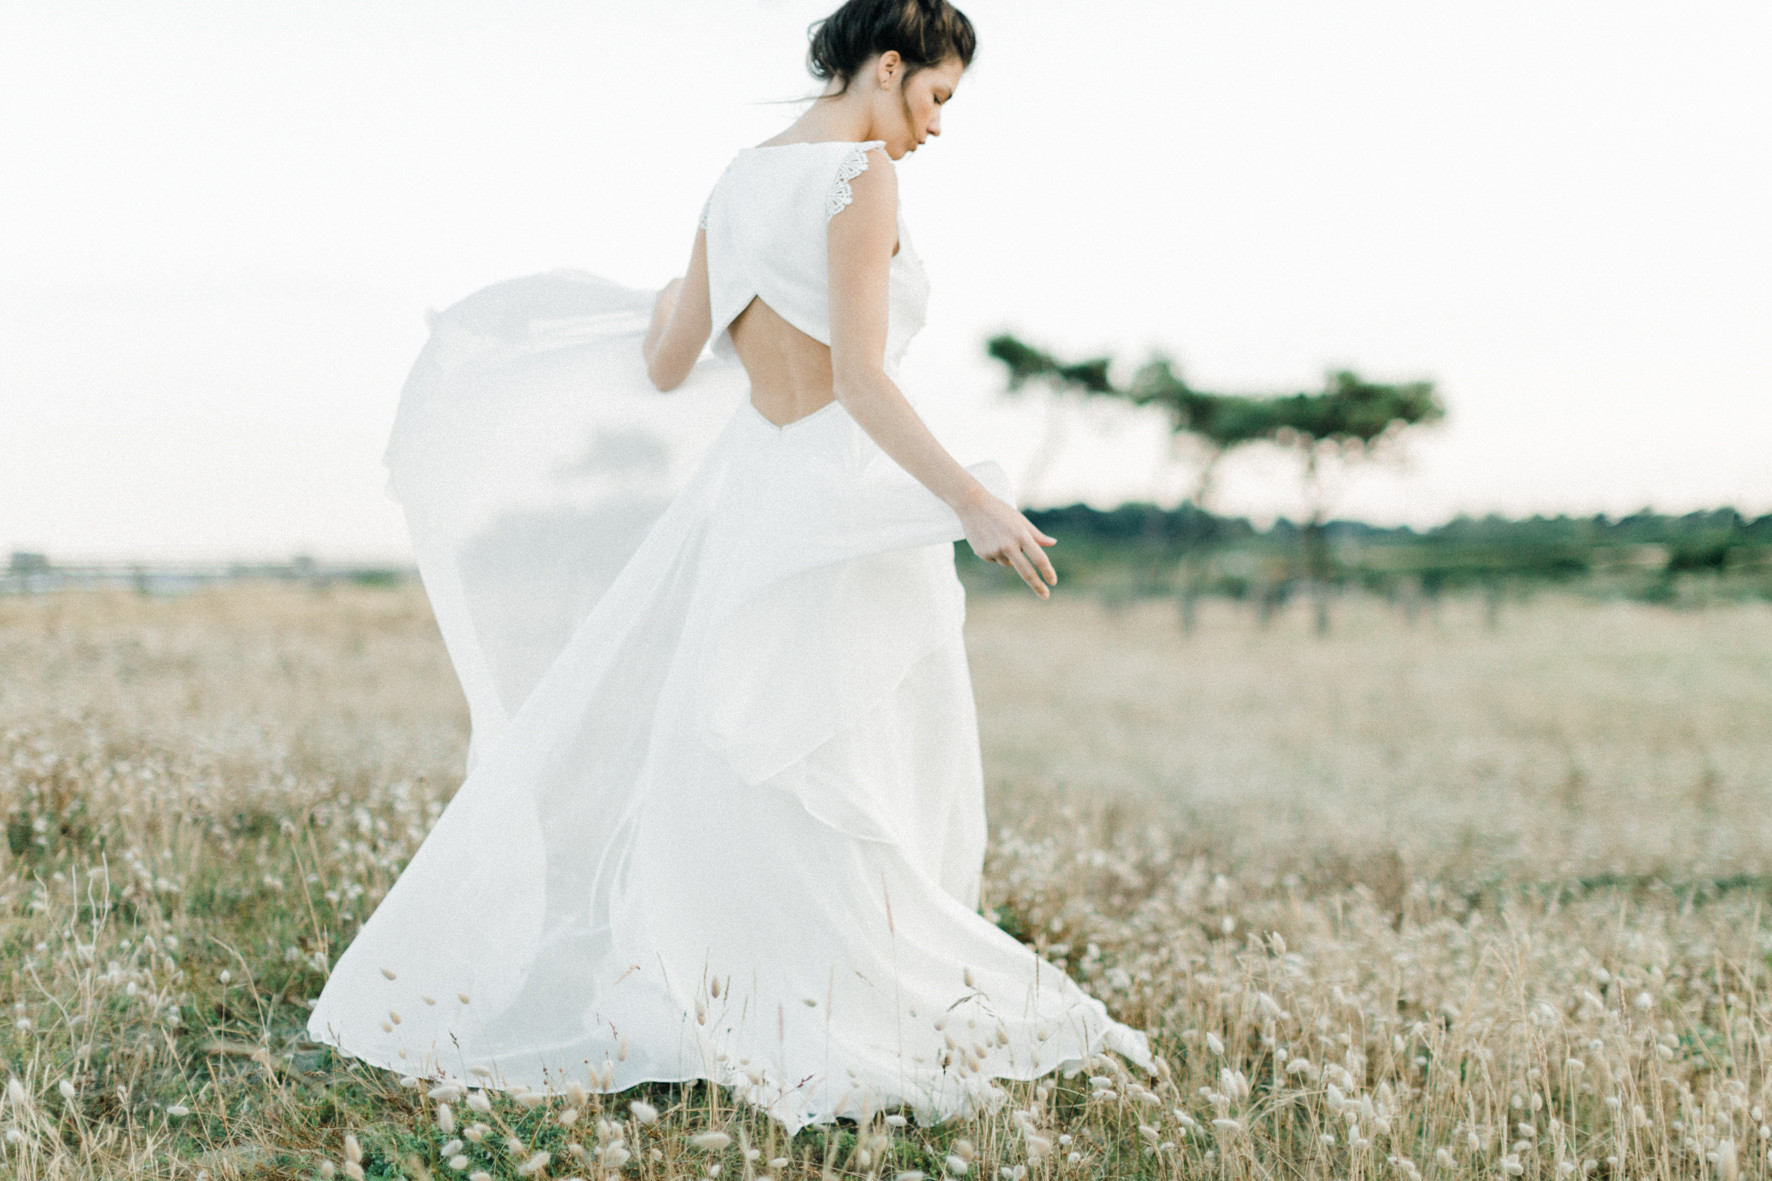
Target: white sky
[(220, 224)]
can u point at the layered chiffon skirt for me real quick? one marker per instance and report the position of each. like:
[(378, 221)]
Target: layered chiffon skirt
[(724, 814)]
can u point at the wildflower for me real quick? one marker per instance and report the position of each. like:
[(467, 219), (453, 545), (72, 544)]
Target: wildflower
[(445, 1118), (178, 1109), (712, 1141), (67, 1090), (534, 1164), (643, 1112), (480, 1103), (388, 972), (1214, 1043), (1728, 1164), (956, 1166)]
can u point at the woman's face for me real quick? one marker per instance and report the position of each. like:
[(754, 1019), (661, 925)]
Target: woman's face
[(919, 100)]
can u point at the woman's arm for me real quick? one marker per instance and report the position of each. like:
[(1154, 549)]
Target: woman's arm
[(681, 322), (861, 238)]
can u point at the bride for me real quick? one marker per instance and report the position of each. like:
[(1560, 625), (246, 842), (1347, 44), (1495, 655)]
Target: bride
[(723, 817)]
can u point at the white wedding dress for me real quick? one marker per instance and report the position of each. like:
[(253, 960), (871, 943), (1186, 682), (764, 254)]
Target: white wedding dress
[(724, 811)]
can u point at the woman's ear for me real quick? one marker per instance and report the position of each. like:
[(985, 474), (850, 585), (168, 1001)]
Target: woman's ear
[(888, 67)]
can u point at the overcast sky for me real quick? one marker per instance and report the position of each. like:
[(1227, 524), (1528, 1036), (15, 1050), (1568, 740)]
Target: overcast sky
[(221, 223)]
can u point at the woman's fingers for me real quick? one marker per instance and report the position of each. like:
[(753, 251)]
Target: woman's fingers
[(1023, 568), (1043, 564)]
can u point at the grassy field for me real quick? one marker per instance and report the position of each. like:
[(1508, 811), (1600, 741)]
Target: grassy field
[(1441, 899)]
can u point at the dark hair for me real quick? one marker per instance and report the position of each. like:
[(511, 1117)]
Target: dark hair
[(925, 33)]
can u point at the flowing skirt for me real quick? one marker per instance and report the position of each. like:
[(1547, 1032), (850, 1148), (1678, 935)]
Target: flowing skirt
[(724, 811)]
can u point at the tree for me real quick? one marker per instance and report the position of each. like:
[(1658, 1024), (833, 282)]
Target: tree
[(1028, 364), (1350, 420)]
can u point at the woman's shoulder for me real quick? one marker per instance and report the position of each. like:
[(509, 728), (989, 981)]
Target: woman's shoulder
[(866, 168)]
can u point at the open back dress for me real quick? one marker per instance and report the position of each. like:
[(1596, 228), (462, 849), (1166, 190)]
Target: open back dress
[(723, 817)]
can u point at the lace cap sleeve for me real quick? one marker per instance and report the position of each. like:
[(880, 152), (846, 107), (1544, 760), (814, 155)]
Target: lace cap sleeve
[(852, 165)]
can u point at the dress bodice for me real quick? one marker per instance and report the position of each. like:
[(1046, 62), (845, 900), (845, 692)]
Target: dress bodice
[(766, 222)]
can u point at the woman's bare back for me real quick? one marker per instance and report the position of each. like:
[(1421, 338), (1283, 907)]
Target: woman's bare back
[(790, 371)]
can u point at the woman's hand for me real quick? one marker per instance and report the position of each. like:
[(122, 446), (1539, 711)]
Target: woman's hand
[(997, 532)]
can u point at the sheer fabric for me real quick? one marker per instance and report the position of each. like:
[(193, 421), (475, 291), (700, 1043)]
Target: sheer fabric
[(724, 814)]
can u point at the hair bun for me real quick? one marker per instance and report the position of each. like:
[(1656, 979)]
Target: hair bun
[(923, 32)]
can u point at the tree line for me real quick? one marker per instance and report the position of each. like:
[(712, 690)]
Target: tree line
[(1189, 551)]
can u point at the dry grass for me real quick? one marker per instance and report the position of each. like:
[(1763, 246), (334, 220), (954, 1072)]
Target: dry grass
[(1432, 901)]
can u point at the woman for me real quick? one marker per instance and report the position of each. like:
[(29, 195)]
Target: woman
[(724, 812)]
